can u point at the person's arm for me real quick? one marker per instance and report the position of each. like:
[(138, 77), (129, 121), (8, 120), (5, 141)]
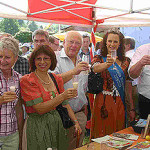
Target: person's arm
[(73, 118), (81, 66), (20, 120), (99, 67), (136, 69), (44, 107), (7, 97)]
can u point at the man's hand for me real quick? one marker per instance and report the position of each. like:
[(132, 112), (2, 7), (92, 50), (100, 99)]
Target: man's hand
[(145, 60), (81, 66)]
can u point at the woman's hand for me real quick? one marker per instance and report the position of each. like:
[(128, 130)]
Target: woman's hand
[(69, 93), (7, 97), (81, 66), (109, 60), (77, 128)]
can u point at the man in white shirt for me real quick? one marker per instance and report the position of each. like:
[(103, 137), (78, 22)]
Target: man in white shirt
[(140, 67), (67, 60)]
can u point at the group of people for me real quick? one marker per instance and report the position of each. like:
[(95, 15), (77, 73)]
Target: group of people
[(42, 127)]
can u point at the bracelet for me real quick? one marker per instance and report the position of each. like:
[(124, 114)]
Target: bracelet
[(132, 110), (75, 120)]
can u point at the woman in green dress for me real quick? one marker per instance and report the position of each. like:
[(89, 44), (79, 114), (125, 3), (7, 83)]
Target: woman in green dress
[(44, 126)]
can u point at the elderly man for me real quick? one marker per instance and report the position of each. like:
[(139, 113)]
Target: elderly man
[(40, 37), (140, 67), (54, 43), (68, 62)]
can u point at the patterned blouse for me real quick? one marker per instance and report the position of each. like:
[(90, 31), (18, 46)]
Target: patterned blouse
[(34, 93)]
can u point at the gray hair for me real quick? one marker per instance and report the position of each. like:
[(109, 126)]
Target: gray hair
[(74, 32), (40, 32), (10, 43)]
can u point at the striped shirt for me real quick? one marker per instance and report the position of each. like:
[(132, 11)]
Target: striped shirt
[(8, 119)]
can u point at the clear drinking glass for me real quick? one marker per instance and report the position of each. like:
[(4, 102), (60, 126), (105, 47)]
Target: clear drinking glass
[(86, 58), (113, 55), (75, 81)]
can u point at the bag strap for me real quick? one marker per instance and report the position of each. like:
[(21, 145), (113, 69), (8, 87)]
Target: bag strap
[(55, 82)]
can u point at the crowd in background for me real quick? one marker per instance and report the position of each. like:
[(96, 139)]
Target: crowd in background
[(29, 96)]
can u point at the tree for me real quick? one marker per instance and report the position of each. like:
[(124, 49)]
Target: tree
[(9, 26), (33, 26), (24, 36)]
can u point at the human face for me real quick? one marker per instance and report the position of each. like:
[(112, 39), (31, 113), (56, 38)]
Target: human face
[(42, 62), (39, 40), (112, 42), (72, 44), (24, 50), (86, 43), (55, 45), (7, 60)]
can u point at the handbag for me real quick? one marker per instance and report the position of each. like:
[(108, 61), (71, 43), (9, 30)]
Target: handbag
[(95, 82), (63, 112)]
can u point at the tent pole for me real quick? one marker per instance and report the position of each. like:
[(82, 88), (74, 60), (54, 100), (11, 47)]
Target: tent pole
[(13, 8)]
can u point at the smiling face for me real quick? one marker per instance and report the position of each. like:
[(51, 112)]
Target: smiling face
[(42, 62), (112, 42), (7, 59), (72, 44)]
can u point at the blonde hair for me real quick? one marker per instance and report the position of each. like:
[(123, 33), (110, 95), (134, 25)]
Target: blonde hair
[(10, 43)]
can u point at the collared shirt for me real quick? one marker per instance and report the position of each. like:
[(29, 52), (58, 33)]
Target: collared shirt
[(130, 54), (144, 78), (22, 66), (65, 64), (8, 120), (81, 53)]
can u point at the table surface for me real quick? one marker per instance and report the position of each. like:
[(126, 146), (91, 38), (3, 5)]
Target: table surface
[(98, 146)]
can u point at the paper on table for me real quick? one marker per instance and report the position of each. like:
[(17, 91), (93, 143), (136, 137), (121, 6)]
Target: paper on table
[(126, 136), (102, 139)]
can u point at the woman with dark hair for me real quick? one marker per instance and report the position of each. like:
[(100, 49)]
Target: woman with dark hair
[(44, 127), (109, 106)]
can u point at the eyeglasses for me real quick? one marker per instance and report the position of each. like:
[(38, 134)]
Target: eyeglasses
[(39, 41), (73, 42), (44, 59)]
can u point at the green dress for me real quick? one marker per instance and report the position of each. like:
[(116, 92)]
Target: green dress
[(46, 130)]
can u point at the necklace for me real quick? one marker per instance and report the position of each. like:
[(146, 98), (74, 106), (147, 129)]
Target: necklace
[(47, 83)]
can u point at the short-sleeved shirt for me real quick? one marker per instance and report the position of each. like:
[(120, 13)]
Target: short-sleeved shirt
[(144, 78), (34, 93), (64, 64), (8, 119)]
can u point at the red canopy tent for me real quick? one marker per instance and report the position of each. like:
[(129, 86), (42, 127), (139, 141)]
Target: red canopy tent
[(62, 11)]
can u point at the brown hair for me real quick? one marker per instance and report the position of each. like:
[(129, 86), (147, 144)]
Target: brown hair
[(120, 51), (45, 49)]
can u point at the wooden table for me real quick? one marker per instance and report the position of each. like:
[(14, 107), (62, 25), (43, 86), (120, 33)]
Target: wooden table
[(97, 146)]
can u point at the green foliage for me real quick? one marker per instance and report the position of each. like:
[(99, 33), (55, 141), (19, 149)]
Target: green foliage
[(9, 26), (24, 36), (32, 26)]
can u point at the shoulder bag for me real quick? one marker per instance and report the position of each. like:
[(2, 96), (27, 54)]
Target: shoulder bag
[(95, 82), (63, 112)]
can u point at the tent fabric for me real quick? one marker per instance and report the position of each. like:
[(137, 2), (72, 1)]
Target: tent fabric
[(61, 36), (108, 13)]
